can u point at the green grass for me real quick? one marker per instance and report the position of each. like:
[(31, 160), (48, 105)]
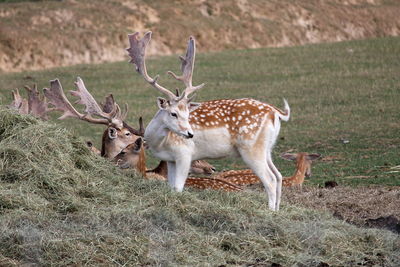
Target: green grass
[(346, 90), (60, 205)]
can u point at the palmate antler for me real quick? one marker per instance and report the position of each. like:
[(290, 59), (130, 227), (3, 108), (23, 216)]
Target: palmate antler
[(37, 106), (34, 105), (137, 52), (58, 99)]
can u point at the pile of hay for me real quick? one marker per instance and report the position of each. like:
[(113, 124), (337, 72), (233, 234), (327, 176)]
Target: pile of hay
[(61, 205)]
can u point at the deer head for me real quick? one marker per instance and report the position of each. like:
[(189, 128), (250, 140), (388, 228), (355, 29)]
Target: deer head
[(132, 157), (303, 161), (173, 111)]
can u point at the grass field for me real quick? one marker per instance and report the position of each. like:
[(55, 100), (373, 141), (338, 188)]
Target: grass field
[(61, 205), (344, 91)]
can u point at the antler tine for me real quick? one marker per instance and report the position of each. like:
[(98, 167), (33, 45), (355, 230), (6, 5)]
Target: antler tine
[(137, 52), (109, 103), (187, 66), (141, 127)]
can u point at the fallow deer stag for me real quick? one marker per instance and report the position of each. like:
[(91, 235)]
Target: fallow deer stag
[(303, 169), (118, 134), (214, 129), (133, 157)]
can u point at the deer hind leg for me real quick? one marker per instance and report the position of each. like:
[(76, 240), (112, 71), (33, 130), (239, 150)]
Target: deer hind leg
[(256, 160), (278, 177)]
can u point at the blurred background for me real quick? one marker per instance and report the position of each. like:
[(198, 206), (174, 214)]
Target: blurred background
[(36, 35)]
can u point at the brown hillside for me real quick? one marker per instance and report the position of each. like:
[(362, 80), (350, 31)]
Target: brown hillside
[(45, 34)]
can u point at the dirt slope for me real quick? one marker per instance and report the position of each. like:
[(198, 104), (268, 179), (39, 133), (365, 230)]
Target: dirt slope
[(44, 34)]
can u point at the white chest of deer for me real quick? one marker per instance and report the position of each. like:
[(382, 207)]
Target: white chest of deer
[(242, 127)]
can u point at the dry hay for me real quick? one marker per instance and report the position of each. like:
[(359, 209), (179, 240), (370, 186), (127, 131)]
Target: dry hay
[(61, 205)]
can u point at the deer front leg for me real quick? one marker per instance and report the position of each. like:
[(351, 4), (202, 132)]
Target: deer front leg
[(182, 172), (171, 173)]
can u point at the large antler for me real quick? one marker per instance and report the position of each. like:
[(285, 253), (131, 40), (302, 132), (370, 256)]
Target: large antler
[(37, 106), (187, 66), (58, 99), (137, 52)]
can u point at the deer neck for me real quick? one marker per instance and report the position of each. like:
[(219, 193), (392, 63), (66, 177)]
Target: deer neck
[(156, 131), (163, 142), (300, 173)]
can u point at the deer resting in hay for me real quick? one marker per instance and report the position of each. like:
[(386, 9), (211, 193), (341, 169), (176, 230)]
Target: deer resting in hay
[(303, 169), (183, 131)]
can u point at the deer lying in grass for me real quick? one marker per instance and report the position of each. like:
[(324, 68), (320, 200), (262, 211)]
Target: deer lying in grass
[(118, 133), (34, 105), (133, 156), (303, 169), (183, 131)]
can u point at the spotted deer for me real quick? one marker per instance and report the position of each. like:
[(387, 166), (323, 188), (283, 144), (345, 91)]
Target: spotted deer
[(183, 131), (133, 156), (303, 169), (118, 133)]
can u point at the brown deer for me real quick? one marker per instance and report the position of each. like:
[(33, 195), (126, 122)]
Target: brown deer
[(118, 133), (303, 169), (183, 131), (133, 156)]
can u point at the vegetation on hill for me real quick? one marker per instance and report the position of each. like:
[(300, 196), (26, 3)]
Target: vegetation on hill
[(44, 34)]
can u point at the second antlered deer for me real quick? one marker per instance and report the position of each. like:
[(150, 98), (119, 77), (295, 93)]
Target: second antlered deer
[(183, 131), (117, 135)]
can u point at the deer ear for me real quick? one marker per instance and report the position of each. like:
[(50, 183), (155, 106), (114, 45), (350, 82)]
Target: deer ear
[(193, 106), (138, 145), (313, 156), (162, 103), (289, 156), (112, 132)]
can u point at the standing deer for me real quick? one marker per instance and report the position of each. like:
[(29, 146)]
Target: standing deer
[(133, 156), (117, 135), (303, 169), (183, 131)]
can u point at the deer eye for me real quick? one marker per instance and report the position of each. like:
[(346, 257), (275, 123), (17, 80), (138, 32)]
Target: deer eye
[(122, 153), (173, 114), (127, 133)]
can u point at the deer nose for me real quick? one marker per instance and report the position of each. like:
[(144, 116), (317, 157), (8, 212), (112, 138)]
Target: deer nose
[(190, 135)]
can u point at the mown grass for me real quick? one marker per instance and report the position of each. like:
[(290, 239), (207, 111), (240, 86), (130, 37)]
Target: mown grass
[(60, 205), (342, 91)]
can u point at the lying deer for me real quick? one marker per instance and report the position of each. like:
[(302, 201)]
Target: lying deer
[(183, 131), (303, 169), (133, 156)]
